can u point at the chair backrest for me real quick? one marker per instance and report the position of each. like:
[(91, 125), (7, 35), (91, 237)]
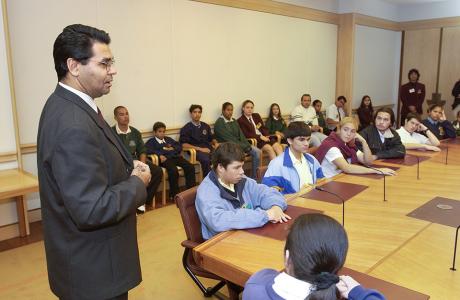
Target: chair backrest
[(260, 173), (185, 201)]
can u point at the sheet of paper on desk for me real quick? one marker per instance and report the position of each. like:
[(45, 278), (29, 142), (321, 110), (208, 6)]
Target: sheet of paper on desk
[(279, 231)]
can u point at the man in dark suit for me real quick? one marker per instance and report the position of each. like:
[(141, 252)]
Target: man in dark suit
[(89, 185)]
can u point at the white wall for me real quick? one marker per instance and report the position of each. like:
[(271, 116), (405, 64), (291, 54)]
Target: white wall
[(170, 54), (374, 8), (376, 65), (432, 10)]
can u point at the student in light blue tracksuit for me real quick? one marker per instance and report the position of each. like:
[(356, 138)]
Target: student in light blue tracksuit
[(294, 168), (226, 199)]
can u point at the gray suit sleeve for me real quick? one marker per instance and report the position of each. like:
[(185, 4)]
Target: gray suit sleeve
[(81, 173)]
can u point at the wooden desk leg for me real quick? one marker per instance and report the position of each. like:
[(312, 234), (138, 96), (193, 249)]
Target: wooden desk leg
[(23, 219), (234, 291)]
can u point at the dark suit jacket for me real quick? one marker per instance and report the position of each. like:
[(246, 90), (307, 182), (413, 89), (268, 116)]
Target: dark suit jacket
[(391, 148), (249, 130), (88, 201)]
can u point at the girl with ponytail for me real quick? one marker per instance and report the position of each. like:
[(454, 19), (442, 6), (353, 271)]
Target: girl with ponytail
[(315, 251)]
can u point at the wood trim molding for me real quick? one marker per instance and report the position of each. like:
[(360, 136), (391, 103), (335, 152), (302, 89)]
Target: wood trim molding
[(28, 148), (279, 8), (11, 82), (376, 22), (8, 156), (431, 23), (345, 58)]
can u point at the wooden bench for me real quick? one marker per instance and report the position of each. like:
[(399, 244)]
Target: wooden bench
[(16, 184)]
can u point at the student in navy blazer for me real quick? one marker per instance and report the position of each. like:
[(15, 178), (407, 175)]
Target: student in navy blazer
[(169, 154)]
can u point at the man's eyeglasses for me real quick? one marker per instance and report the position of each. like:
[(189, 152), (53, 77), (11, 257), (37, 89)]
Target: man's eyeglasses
[(107, 64)]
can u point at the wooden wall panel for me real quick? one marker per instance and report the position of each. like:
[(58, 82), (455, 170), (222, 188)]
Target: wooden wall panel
[(449, 66), (345, 58), (421, 51)]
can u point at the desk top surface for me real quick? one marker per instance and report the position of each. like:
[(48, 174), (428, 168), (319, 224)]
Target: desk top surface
[(384, 242)]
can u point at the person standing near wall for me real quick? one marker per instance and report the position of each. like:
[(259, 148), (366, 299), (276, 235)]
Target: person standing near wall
[(456, 94), (89, 185), (412, 95)]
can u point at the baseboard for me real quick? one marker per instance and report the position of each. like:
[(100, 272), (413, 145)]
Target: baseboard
[(12, 230)]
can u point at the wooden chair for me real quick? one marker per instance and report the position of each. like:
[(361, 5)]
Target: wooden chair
[(191, 157), (185, 201)]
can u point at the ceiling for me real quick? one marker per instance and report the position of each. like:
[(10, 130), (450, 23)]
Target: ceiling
[(403, 2)]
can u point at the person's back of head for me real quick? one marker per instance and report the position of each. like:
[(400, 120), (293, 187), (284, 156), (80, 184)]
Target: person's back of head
[(316, 248)]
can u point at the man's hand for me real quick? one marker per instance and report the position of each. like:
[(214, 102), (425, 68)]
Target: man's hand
[(205, 150), (387, 171), (421, 127), (345, 285), (432, 148), (412, 108), (162, 158), (264, 138), (443, 116), (142, 171), (276, 215), (315, 128)]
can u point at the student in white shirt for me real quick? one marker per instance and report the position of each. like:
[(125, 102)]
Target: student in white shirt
[(335, 113), (338, 153), (412, 139), (306, 113)]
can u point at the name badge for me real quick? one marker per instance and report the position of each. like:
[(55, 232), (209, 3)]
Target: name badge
[(258, 125), (412, 91)]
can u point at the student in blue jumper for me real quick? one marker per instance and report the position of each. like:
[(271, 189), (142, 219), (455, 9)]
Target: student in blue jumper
[(169, 154), (226, 199), (315, 251), (438, 124), (294, 168), (197, 135)]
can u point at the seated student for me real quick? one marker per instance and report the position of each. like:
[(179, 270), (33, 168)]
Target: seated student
[(253, 127), (306, 113), (383, 141), (169, 154), (275, 122), (226, 199), (338, 153), (438, 124), (315, 250), (295, 168), (317, 105), (197, 135), (456, 123), (226, 129), (411, 139), (132, 139), (365, 112), (335, 113)]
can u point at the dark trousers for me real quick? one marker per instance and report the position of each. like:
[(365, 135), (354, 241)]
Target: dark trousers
[(205, 161), (170, 165), (157, 176), (120, 297)]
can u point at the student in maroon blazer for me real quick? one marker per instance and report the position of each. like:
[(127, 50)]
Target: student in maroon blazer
[(253, 127)]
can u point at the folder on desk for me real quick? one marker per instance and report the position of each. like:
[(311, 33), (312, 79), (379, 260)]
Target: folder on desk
[(279, 231), (408, 160), (343, 189)]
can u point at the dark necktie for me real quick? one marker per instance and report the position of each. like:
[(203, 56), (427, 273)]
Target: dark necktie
[(100, 114)]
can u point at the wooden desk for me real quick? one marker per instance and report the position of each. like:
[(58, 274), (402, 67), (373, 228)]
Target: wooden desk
[(384, 242), (16, 184)]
